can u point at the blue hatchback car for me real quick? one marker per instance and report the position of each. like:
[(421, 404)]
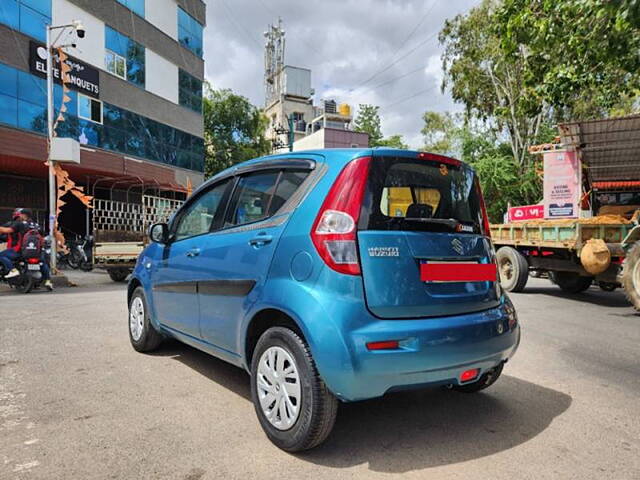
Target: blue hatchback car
[(330, 275)]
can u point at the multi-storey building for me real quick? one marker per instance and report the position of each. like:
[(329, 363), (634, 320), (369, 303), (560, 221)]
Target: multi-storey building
[(135, 104)]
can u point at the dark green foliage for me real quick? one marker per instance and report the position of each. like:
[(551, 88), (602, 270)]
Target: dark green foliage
[(233, 129)]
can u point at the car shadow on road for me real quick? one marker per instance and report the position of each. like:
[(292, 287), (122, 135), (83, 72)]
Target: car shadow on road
[(413, 430), (232, 378), (593, 295)]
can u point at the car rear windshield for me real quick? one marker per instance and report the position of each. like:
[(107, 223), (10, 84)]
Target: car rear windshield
[(421, 195)]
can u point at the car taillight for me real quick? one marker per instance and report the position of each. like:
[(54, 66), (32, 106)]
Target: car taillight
[(486, 226), (334, 230)]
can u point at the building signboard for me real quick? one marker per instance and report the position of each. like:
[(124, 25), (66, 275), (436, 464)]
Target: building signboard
[(82, 77)]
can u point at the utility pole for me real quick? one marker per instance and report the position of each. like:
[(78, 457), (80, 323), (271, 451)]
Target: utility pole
[(77, 26)]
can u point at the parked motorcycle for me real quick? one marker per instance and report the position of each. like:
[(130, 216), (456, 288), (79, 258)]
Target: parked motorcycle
[(79, 255)]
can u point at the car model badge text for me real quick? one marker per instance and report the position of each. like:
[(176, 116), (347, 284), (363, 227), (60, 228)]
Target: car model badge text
[(384, 252)]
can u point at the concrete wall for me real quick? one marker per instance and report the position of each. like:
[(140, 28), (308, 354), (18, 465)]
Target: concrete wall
[(161, 76), (332, 138), (163, 14), (91, 48)]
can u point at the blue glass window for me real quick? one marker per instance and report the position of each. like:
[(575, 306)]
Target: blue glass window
[(189, 32), (190, 91), (23, 105), (124, 57), (8, 80), (9, 13), (136, 6), (8, 110), (28, 16), (41, 6)]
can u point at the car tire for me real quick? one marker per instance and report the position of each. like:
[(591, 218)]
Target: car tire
[(513, 269), (571, 282), (486, 380), (142, 334), (309, 421)]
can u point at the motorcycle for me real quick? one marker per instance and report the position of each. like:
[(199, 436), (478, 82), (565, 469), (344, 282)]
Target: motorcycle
[(30, 275), (77, 257)]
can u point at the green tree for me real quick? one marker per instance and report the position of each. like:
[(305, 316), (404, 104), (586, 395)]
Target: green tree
[(581, 55), (439, 132), (484, 148), (394, 141), (490, 83), (233, 130), (368, 121)]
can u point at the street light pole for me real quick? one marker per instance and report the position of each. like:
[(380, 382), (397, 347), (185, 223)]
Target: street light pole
[(53, 188)]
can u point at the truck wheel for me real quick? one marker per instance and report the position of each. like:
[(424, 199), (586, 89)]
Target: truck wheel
[(294, 406), (630, 276), (118, 274), (513, 269), (607, 286), (570, 282)]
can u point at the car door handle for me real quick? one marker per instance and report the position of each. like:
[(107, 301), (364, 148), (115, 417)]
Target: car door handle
[(260, 240), (193, 253)]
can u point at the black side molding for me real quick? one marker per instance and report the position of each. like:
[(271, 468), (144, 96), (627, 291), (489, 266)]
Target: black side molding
[(234, 288)]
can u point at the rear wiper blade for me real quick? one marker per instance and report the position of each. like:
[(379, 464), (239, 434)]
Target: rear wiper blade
[(440, 221)]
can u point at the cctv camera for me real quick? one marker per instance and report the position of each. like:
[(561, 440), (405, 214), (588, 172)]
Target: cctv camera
[(77, 24)]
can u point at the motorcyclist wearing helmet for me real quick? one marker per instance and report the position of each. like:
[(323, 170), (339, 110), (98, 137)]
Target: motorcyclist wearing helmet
[(21, 223)]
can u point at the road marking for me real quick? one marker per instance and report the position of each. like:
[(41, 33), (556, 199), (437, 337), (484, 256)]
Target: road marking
[(26, 466)]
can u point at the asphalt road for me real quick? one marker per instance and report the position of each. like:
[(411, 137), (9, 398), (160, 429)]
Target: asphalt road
[(76, 402)]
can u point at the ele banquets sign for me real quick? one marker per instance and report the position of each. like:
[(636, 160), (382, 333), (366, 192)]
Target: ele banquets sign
[(82, 77), (561, 185)]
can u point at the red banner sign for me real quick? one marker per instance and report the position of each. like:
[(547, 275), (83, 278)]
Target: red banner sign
[(526, 212)]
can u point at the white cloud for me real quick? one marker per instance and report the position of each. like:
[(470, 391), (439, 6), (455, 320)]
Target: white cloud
[(344, 43)]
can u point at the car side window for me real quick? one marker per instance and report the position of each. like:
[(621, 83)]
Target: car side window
[(289, 182), (251, 198), (200, 214)]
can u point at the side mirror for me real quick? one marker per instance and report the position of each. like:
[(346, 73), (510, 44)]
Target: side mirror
[(159, 233)]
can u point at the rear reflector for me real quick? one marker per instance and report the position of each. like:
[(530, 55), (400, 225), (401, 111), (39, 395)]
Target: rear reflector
[(469, 374), (458, 272), (386, 345)]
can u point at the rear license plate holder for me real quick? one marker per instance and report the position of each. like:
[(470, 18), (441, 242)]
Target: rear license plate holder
[(453, 272), (33, 266)]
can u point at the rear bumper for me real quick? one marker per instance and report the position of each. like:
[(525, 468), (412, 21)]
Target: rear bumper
[(432, 351)]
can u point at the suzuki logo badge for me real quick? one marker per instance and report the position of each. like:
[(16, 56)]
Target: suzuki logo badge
[(457, 245)]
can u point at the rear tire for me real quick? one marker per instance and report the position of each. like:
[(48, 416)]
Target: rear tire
[(571, 282), (486, 380), (630, 276), (513, 269), (142, 334), (26, 285), (118, 274), (274, 396)]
